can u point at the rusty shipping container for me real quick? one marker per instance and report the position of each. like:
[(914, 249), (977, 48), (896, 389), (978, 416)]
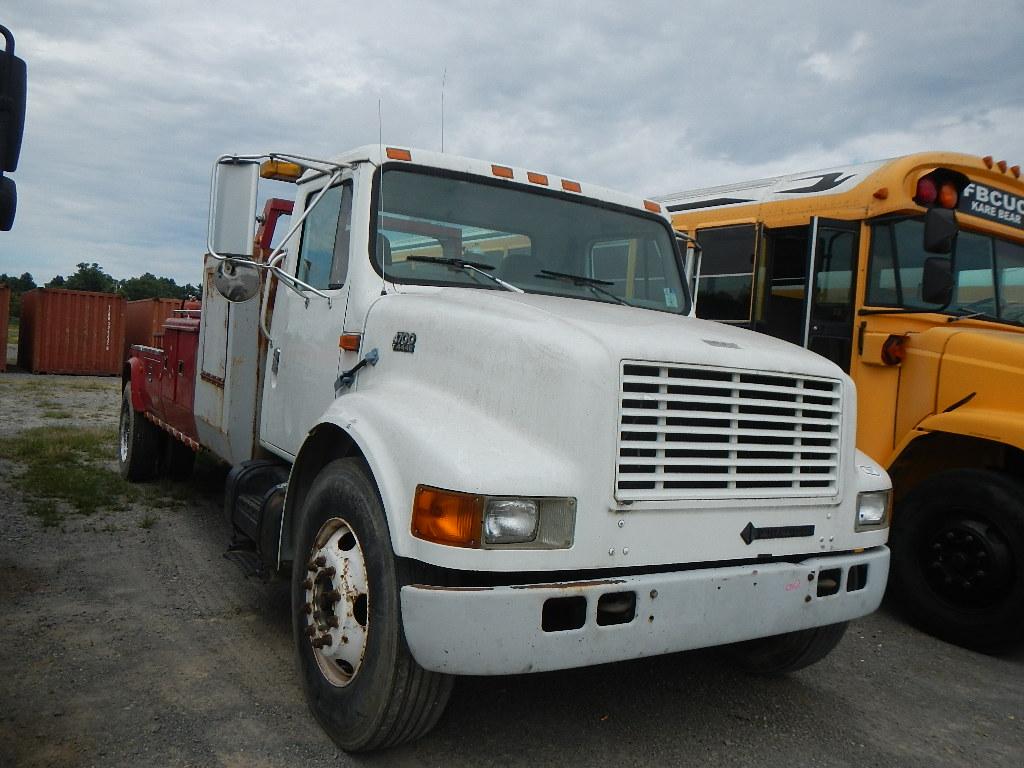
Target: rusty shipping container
[(5, 316), (76, 332), (144, 321)]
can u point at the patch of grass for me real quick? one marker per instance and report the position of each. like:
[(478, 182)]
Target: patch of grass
[(64, 472), (12, 331), (147, 522), (56, 414)]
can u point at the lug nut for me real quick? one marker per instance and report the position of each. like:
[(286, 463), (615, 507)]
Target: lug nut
[(307, 584), (311, 630), (333, 621), (310, 566), (307, 609), (333, 596), (329, 572), (322, 561)]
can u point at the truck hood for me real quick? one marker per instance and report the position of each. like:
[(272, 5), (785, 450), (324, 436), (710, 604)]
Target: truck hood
[(985, 365), (623, 333)]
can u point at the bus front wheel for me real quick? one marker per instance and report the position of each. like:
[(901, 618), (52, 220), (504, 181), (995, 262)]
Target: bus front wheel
[(958, 558)]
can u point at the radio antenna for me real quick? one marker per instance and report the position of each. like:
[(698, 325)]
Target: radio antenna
[(444, 77), (380, 193)]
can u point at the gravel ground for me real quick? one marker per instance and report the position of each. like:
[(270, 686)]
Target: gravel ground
[(126, 639)]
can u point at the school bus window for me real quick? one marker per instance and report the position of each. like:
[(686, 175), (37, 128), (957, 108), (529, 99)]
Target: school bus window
[(727, 273)]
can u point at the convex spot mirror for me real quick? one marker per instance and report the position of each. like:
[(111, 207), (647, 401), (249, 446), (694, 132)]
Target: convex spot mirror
[(937, 281), (236, 280), (940, 230), (8, 203)]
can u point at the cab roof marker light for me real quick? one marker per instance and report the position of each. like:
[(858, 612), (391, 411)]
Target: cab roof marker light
[(502, 171), (987, 160), (1015, 170), (571, 186), (537, 178), (349, 342), (1001, 165), (279, 170), (652, 206), (394, 153)]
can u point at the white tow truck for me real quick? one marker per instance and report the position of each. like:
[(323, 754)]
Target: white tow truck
[(469, 410)]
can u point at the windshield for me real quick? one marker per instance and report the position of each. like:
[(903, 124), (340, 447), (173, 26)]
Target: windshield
[(988, 272), (521, 236)]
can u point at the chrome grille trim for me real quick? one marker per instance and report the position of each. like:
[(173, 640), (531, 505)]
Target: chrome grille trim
[(699, 432)]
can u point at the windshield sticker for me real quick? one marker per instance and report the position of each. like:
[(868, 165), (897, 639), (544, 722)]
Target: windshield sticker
[(670, 298), (992, 204)]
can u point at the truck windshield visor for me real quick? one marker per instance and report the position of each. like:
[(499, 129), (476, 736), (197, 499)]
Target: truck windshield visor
[(988, 272), (516, 234)]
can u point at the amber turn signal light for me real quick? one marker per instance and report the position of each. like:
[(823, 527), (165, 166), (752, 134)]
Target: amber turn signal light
[(447, 517), (894, 350), (349, 342), (278, 170)]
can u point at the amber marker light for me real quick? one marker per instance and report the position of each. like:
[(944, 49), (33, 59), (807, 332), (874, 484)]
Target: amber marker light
[(502, 171), (987, 160), (947, 195), (394, 153), (882, 193), (1001, 165), (349, 342), (652, 206), (537, 178), (571, 186), (447, 517), (1015, 170), (894, 350), (278, 170)]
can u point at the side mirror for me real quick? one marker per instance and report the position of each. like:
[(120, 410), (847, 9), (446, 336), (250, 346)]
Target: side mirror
[(8, 203), (236, 280), (12, 103), (940, 230), (233, 207), (937, 281)]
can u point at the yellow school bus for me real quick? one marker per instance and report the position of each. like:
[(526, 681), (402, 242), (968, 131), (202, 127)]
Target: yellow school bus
[(909, 274)]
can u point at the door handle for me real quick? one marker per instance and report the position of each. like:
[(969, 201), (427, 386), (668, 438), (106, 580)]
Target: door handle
[(277, 360)]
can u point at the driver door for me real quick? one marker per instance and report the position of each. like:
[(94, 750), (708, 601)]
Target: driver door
[(833, 259)]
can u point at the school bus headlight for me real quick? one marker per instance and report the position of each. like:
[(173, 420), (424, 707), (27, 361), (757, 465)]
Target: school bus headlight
[(457, 519), (872, 509)]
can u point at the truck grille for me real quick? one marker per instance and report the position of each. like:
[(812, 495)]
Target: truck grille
[(692, 432)]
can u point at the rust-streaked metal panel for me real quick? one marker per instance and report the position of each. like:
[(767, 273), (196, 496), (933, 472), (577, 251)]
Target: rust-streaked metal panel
[(144, 321), (5, 313), (73, 332)]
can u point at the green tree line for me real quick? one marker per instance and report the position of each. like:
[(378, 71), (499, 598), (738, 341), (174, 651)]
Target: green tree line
[(91, 277)]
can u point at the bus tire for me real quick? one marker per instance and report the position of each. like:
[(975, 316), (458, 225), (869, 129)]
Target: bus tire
[(789, 652), (360, 679), (958, 558), (138, 453)]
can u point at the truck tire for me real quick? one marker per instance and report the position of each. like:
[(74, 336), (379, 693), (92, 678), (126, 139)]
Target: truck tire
[(363, 685), (781, 654), (958, 558), (138, 453), (178, 459)]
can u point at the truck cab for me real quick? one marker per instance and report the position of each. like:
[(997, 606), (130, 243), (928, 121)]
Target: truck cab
[(470, 413)]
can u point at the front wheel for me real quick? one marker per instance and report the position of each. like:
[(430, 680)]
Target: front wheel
[(781, 654), (958, 558), (359, 677), (138, 453)]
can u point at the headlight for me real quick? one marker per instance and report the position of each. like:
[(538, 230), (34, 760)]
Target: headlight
[(458, 519), (872, 509), (510, 521)]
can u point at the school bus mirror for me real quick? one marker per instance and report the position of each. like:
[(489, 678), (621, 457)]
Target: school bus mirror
[(8, 203), (940, 230), (937, 281)]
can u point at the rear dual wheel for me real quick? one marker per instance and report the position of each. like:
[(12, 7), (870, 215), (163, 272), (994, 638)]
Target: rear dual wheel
[(360, 680)]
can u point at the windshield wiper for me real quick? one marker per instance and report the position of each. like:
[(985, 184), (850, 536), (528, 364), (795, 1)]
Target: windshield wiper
[(968, 315), (586, 282), (471, 267)]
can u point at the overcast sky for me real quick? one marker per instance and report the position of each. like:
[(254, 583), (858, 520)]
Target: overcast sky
[(130, 101)]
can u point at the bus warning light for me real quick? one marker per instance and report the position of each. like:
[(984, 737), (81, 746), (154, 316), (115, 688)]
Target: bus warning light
[(927, 191), (947, 195)]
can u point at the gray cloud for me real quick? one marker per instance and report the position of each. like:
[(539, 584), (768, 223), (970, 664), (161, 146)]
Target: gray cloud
[(130, 102)]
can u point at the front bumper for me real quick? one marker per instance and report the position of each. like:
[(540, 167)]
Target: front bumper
[(498, 630)]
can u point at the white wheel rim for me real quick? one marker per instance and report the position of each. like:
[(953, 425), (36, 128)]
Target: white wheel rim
[(123, 430), (336, 602)]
